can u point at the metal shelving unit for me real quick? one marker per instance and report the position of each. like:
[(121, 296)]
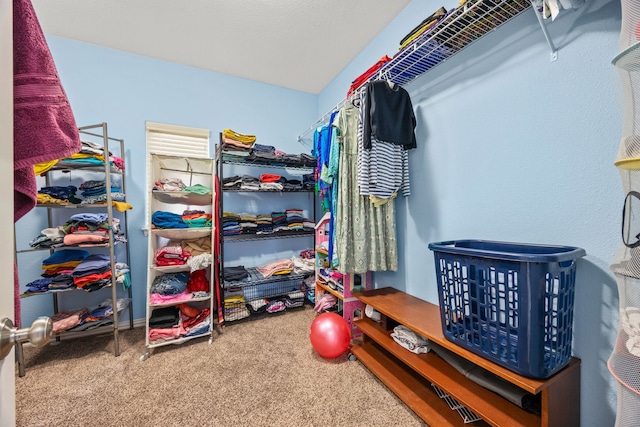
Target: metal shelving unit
[(279, 235), (260, 163), (265, 191), (273, 279), (275, 285), (98, 133)]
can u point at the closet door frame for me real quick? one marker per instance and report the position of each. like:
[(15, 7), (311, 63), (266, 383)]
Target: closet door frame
[(7, 365)]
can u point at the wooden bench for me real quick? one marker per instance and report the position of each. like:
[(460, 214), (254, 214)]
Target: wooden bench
[(410, 375)]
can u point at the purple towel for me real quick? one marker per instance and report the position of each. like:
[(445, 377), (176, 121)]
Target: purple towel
[(43, 123), (44, 126)]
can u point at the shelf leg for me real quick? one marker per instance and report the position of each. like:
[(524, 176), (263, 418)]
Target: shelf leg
[(116, 340), (20, 356)]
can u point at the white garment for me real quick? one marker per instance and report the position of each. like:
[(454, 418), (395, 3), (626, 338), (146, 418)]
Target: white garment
[(630, 323), (53, 233), (199, 262), (410, 340), (302, 265), (257, 304)]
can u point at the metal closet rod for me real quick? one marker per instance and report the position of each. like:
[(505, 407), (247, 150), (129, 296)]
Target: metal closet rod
[(186, 171)]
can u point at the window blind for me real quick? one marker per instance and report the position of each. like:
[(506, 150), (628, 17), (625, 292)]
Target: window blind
[(177, 140)]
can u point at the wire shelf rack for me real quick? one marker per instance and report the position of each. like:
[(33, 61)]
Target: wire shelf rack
[(457, 30), (255, 280), (466, 414), (268, 236)]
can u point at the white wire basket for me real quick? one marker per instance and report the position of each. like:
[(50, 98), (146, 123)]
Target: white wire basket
[(466, 415)]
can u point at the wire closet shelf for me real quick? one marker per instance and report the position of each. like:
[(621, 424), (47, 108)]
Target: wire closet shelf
[(458, 29)]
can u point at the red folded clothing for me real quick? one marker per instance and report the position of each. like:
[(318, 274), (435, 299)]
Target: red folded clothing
[(171, 255), (198, 282), (364, 77), (269, 177), (188, 310), (189, 322)]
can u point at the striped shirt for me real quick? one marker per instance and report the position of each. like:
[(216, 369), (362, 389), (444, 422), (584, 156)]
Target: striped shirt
[(384, 169)]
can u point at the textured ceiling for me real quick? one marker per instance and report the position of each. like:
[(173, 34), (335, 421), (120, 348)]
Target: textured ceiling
[(301, 45)]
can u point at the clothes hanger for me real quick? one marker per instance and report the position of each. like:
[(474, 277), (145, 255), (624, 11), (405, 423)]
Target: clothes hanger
[(354, 98), (391, 84)]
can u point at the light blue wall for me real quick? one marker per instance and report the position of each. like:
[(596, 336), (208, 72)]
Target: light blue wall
[(514, 147), (511, 147), (126, 90)]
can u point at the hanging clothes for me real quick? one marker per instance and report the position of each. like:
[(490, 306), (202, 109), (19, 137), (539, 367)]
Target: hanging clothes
[(322, 144), (332, 177), (327, 176), (387, 126), (365, 234), (388, 115)]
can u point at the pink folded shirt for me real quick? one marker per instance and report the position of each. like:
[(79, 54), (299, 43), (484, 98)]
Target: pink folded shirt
[(164, 299), (76, 239)]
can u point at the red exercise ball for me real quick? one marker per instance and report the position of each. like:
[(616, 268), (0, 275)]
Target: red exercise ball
[(330, 335)]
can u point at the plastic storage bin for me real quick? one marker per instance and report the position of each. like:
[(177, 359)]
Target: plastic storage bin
[(511, 303)]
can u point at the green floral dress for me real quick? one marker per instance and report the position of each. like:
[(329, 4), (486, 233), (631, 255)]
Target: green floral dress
[(365, 234)]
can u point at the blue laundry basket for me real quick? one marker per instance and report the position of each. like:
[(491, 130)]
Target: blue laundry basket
[(511, 303)]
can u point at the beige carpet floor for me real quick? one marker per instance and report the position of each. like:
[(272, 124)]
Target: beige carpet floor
[(257, 373)]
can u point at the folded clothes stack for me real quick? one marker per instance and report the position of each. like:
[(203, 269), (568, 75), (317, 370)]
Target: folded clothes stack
[(236, 145), (171, 255), (424, 27)]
